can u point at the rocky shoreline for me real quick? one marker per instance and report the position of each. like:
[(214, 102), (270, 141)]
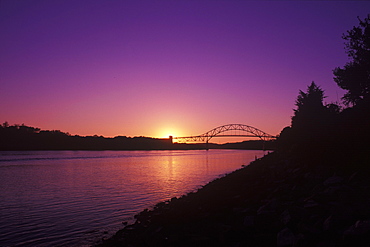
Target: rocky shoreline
[(278, 200)]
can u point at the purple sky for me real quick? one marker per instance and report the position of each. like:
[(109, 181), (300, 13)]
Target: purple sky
[(155, 68)]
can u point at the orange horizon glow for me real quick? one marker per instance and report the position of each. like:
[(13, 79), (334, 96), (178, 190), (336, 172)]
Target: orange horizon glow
[(167, 132)]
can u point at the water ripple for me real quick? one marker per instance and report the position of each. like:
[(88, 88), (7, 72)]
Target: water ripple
[(73, 198)]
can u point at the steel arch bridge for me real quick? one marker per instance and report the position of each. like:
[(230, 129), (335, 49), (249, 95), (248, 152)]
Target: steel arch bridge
[(235, 130)]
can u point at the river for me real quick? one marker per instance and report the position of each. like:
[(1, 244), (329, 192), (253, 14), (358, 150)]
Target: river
[(75, 198)]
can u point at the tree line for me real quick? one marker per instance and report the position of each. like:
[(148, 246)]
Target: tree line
[(22, 137), (327, 127)]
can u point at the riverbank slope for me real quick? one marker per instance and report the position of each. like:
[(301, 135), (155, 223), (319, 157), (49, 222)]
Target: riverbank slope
[(278, 200)]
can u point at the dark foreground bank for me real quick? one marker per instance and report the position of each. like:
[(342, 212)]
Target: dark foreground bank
[(278, 200)]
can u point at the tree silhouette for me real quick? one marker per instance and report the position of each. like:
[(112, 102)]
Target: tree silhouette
[(314, 123), (310, 108), (355, 76)]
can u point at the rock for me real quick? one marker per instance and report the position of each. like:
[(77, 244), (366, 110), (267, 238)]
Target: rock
[(310, 204), (268, 208), (338, 221), (352, 177), (330, 191), (328, 223), (333, 180), (359, 228), (285, 217), (238, 209), (358, 234), (248, 221), (158, 229), (285, 237)]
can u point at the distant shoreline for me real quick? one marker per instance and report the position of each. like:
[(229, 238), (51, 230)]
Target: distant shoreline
[(183, 147), (21, 137)]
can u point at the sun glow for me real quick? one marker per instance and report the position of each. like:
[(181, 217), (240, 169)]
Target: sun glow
[(165, 133)]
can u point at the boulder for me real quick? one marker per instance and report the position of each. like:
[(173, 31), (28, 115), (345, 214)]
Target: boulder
[(285, 238)]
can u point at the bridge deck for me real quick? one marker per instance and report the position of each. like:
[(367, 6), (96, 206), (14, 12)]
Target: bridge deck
[(188, 137)]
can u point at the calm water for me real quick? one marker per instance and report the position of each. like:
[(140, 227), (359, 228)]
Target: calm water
[(74, 198)]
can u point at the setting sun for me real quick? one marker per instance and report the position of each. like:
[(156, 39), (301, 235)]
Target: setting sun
[(165, 133)]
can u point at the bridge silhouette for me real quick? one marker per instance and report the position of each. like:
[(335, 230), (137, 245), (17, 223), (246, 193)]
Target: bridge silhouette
[(234, 130)]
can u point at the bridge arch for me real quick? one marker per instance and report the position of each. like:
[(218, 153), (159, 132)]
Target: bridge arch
[(241, 130)]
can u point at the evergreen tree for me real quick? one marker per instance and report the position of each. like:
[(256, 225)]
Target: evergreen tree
[(310, 108)]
